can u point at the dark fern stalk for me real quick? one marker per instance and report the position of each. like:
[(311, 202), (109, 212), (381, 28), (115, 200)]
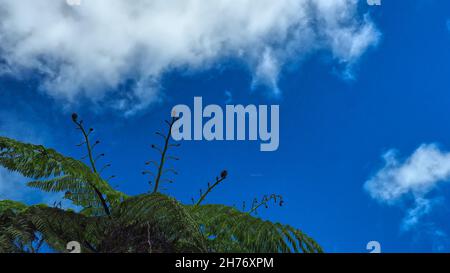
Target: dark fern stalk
[(278, 199), (164, 157), (223, 176), (92, 161)]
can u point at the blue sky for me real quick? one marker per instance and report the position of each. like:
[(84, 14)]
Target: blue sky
[(363, 121)]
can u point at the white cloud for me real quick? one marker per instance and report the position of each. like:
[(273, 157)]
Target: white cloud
[(421, 208), (89, 50), (267, 72), (413, 178)]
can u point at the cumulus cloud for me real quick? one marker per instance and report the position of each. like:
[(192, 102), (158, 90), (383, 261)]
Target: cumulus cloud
[(413, 178), (93, 49)]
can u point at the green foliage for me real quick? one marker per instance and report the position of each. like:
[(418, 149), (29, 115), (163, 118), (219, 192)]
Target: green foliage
[(167, 214), (12, 205), (66, 174), (17, 234), (230, 230), (110, 221)]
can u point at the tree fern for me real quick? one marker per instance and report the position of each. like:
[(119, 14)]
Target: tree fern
[(110, 221)]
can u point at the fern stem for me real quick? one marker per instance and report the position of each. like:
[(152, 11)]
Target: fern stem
[(255, 208), (265, 201), (94, 169), (163, 156), (209, 190)]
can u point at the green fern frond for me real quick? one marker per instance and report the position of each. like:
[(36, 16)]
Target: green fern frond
[(16, 235), (230, 230), (58, 227), (12, 205), (169, 215), (67, 174)]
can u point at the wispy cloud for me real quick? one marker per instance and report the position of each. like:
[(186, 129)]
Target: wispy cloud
[(90, 50), (422, 207), (229, 97), (413, 178)]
